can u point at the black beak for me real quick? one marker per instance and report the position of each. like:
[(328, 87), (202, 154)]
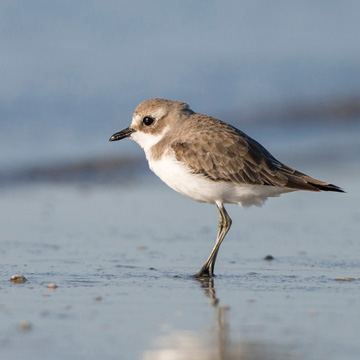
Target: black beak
[(122, 134)]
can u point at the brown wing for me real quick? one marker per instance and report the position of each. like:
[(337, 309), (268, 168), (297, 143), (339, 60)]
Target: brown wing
[(224, 153)]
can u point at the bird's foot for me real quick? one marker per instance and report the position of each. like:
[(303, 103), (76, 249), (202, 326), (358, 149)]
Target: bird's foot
[(205, 272)]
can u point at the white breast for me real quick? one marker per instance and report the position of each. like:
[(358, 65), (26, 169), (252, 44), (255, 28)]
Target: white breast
[(198, 187)]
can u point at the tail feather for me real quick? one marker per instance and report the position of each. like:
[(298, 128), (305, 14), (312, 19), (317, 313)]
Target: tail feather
[(322, 186), (300, 181)]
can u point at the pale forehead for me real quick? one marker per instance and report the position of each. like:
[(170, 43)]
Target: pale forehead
[(136, 118)]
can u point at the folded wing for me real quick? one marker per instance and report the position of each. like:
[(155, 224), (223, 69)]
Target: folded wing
[(232, 156)]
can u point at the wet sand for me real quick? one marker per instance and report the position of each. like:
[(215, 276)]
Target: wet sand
[(121, 257)]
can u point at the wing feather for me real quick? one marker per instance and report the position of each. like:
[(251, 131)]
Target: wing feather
[(223, 153)]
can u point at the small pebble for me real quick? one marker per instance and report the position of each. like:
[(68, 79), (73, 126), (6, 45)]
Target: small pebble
[(344, 279), (18, 278), (52, 286), (269, 258), (25, 326)]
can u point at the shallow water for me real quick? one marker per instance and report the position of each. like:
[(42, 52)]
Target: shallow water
[(122, 259), (121, 247)]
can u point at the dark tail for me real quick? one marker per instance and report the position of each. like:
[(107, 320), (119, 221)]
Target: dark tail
[(300, 181), (322, 186)]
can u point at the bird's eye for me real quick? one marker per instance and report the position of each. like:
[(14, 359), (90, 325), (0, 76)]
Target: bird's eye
[(147, 120)]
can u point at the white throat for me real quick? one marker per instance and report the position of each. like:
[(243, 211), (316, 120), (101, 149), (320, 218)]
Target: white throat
[(147, 140)]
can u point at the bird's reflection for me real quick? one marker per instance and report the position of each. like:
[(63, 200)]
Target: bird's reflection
[(208, 285), (213, 344)]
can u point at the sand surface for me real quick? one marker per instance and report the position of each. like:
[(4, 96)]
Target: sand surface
[(121, 257)]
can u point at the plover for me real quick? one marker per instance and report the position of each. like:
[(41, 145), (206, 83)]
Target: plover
[(211, 161)]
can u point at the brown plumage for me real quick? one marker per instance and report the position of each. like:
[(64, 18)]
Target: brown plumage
[(227, 154)]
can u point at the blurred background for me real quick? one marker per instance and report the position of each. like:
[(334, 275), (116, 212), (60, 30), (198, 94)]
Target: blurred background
[(72, 74), (88, 216)]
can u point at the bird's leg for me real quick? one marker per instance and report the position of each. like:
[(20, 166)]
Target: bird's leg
[(224, 225)]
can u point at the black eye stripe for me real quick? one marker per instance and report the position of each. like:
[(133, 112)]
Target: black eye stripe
[(147, 120)]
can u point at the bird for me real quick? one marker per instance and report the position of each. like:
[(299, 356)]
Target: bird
[(211, 161)]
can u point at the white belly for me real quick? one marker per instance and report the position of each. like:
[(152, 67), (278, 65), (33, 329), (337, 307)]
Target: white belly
[(197, 187)]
